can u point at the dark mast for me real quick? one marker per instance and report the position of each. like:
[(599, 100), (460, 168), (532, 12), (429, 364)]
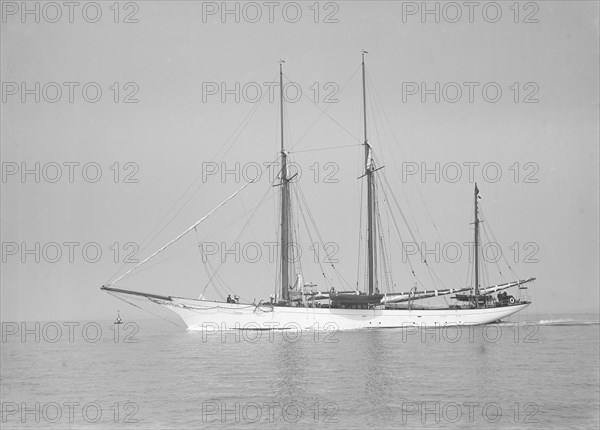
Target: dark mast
[(369, 168), (476, 289), (285, 203)]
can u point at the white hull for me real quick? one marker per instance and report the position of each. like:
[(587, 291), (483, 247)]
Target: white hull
[(207, 315)]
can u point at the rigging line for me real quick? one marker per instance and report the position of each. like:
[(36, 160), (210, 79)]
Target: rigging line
[(224, 285), (292, 232), (267, 197), (311, 217), (196, 178), (390, 250), (295, 232), (379, 139), (324, 112), (379, 109), (496, 259), (379, 106), (409, 209), (240, 128), (158, 263), (203, 258), (227, 226), (397, 170), (375, 256), (374, 117), (468, 240), (277, 277), (471, 269), (374, 90), (145, 310), (360, 221), (260, 203), (152, 235), (311, 238), (326, 149), (389, 236), (403, 217), (361, 254), (215, 277), (390, 216), (182, 234), (287, 125), (412, 269), (380, 244), (189, 247), (496, 240), (384, 252), (232, 138), (430, 270), (300, 197), (376, 192), (484, 274)]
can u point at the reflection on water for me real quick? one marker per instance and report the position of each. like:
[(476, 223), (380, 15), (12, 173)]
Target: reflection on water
[(382, 375), (480, 364), (290, 370), (374, 378)]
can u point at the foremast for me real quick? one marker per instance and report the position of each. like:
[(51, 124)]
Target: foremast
[(285, 203), (369, 169)]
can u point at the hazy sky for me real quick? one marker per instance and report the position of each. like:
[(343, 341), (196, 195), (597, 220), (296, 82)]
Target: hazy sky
[(541, 131)]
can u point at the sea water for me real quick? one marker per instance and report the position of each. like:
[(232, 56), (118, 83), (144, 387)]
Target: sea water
[(542, 373)]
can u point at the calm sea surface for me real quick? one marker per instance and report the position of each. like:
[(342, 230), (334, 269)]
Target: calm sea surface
[(539, 375)]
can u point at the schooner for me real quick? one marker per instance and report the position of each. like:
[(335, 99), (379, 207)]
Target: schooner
[(294, 307)]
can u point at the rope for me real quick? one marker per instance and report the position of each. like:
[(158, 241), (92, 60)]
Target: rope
[(503, 256), (182, 234), (145, 310), (215, 271), (325, 149), (239, 129), (324, 111)]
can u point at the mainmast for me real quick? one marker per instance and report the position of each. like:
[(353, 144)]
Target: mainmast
[(285, 196), (369, 168), (476, 289)]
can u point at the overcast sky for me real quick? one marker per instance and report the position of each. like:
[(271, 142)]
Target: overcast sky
[(541, 131)]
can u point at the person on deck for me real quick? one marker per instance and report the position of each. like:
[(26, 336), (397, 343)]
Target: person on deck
[(229, 299), (502, 297)]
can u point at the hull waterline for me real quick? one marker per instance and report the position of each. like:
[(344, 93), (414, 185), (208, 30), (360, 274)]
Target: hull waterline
[(205, 315)]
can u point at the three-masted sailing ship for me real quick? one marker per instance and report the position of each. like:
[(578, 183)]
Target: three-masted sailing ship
[(294, 307)]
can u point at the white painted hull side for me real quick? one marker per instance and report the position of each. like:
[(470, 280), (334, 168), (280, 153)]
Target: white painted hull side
[(206, 315)]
